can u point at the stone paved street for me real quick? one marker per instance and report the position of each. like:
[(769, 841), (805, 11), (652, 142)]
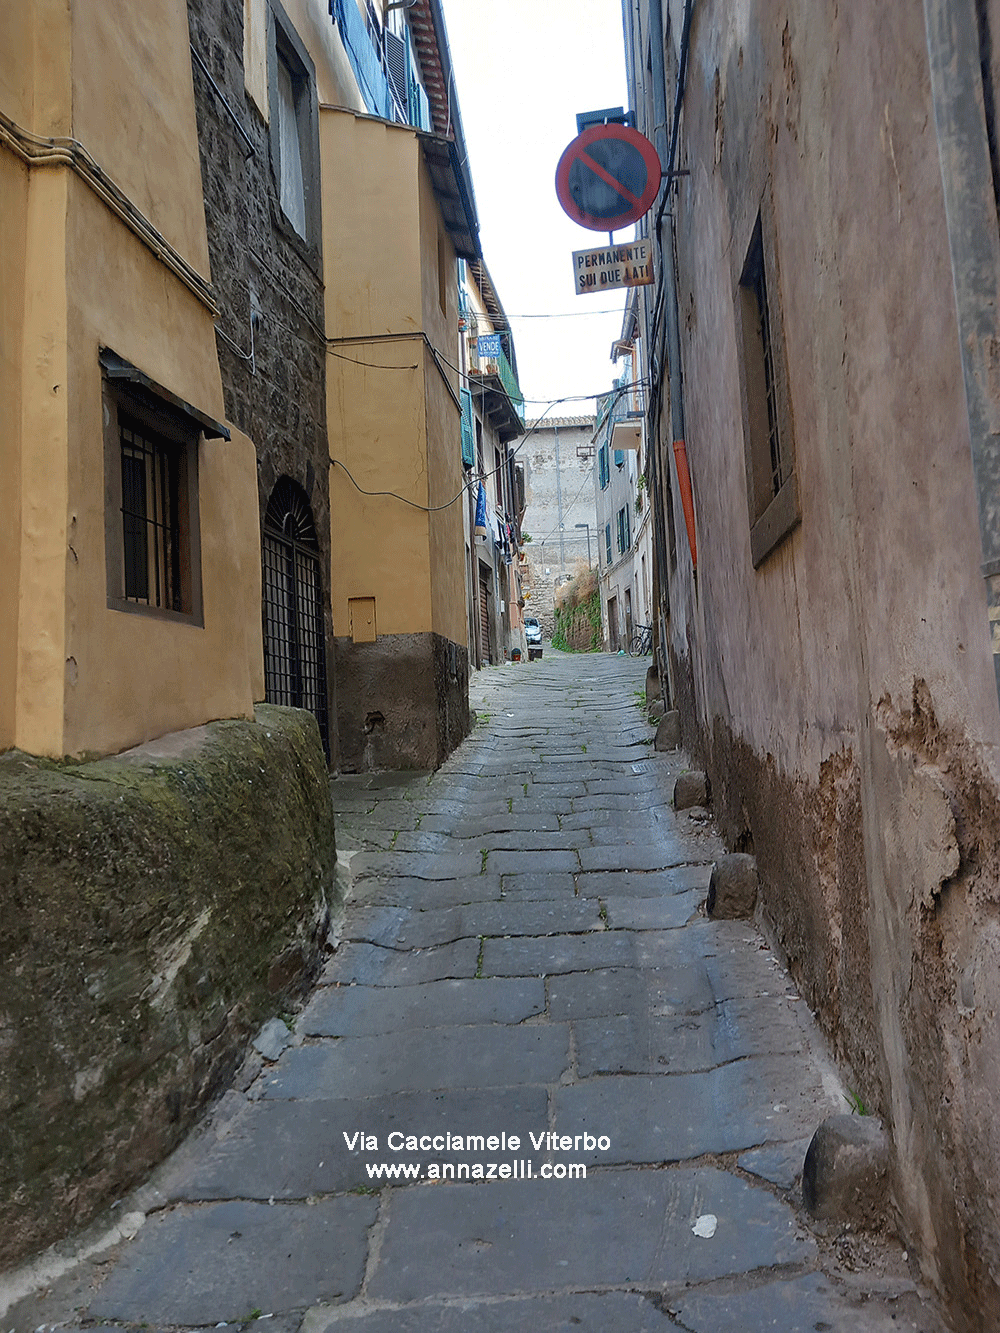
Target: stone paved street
[(524, 953)]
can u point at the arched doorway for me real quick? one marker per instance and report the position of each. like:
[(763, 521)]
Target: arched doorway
[(294, 642)]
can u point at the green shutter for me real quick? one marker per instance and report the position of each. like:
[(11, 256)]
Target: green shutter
[(468, 430)]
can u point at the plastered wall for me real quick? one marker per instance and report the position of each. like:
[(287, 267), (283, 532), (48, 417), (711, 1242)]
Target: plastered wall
[(843, 693), (392, 421), (13, 240), (443, 416), (86, 678)]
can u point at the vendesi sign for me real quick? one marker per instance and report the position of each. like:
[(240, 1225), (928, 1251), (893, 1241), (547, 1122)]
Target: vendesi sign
[(628, 265), (488, 345)]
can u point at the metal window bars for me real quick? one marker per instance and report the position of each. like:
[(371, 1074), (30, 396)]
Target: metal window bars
[(151, 525), (294, 641)]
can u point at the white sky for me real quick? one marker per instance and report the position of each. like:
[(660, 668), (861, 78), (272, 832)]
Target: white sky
[(524, 68)]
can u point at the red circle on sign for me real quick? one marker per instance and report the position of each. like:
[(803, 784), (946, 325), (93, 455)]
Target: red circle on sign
[(608, 177)]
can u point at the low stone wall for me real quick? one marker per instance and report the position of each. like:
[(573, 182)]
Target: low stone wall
[(155, 908), (402, 701)]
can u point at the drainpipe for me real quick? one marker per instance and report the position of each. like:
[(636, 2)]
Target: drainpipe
[(667, 294), (559, 508), (665, 228), (967, 175), (657, 496)]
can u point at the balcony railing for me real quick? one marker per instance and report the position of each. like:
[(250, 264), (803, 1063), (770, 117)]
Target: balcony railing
[(498, 367)]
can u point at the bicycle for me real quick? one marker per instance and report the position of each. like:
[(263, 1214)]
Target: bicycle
[(641, 642)]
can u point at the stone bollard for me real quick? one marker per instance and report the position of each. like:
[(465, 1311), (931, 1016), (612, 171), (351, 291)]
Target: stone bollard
[(668, 731), (656, 710), (732, 890), (653, 688), (690, 789), (845, 1177)]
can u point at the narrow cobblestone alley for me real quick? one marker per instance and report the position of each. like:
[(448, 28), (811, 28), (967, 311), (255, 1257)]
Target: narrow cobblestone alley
[(524, 954)]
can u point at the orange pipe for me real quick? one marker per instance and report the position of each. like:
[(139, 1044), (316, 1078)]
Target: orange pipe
[(687, 500)]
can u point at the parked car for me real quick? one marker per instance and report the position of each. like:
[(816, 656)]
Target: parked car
[(533, 634)]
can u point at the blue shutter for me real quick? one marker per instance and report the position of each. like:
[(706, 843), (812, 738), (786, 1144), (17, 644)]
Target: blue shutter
[(607, 541), (619, 458)]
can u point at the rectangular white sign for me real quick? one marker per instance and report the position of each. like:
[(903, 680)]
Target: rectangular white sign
[(627, 265)]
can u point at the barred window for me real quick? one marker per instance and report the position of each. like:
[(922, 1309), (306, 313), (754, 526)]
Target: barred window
[(152, 541), (154, 481), (293, 601)]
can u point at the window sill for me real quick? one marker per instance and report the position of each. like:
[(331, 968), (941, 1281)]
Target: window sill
[(194, 619), (780, 517)]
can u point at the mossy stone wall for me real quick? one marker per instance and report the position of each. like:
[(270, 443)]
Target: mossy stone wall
[(578, 626), (155, 908)]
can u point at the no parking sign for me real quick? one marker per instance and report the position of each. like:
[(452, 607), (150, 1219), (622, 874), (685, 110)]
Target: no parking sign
[(608, 177)]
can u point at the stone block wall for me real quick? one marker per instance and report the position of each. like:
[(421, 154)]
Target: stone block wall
[(268, 282)]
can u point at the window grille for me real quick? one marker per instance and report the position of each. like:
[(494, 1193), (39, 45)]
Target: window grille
[(151, 470), (294, 641)]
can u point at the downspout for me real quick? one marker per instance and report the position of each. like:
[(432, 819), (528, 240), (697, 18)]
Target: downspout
[(957, 87), (667, 287), (658, 497), (668, 269), (559, 509)]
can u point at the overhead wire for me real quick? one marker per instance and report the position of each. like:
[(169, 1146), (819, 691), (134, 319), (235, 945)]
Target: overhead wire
[(553, 531), (467, 486)]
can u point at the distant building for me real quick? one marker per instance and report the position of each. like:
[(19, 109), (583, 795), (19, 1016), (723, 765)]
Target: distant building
[(559, 514), (623, 514), (492, 422)]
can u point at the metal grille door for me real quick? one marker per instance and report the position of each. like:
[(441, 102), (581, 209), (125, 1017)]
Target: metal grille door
[(294, 650), (484, 617)]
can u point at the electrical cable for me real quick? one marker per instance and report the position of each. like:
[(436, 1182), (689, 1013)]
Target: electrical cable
[(567, 314), (567, 398), (321, 336), (372, 365), (572, 502), (434, 509)]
